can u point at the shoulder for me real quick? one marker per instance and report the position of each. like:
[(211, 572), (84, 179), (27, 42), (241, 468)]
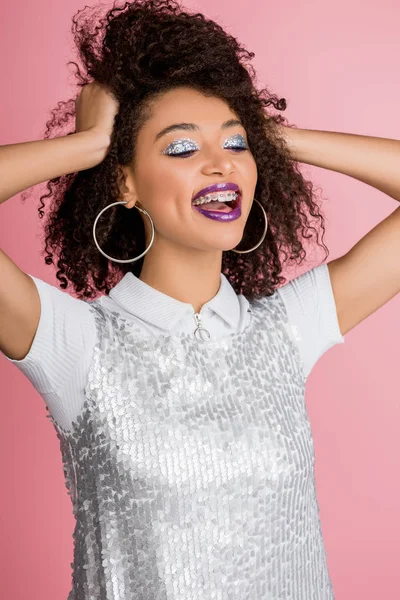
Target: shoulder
[(308, 308), (65, 335)]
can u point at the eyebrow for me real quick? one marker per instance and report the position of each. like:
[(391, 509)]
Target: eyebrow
[(194, 127)]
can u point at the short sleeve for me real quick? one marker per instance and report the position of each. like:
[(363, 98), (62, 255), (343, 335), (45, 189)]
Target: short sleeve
[(311, 311), (63, 344)]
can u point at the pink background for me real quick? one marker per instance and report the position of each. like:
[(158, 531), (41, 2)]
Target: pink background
[(337, 64)]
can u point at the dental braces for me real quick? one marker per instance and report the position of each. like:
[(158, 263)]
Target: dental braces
[(221, 196)]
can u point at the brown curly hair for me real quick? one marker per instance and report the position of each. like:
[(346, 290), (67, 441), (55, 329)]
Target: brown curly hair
[(139, 51)]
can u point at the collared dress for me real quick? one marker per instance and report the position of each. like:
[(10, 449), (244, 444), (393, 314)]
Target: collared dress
[(185, 439)]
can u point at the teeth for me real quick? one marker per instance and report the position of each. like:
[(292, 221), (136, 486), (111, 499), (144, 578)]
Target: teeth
[(221, 196)]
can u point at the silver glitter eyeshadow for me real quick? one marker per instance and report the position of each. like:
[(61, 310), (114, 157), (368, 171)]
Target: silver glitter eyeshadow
[(182, 145), (236, 141), (191, 467)]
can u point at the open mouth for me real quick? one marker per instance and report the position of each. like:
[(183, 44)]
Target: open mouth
[(230, 203)]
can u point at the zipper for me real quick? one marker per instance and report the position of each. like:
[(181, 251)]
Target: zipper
[(200, 333)]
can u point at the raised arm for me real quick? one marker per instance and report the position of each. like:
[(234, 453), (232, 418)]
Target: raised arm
[(29, 163)]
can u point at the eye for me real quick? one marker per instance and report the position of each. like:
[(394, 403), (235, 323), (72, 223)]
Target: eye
[(236, 142), (185, 147), (240, 148), (184, 154), (181, 147)]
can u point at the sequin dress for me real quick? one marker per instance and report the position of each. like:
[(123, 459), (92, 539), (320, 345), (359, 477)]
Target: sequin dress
[(191, 467)]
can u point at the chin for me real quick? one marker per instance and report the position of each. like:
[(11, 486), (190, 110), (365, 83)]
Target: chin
[(226, 245)]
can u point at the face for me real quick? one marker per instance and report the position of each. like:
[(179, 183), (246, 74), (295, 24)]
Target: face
[(171, 168)]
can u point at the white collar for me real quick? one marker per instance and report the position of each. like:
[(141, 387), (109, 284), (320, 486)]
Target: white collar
[(157, 308)]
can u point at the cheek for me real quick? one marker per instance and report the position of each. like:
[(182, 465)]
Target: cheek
[(173, 183), (152, 184), (167, 198), (163, 174), (253, 166)]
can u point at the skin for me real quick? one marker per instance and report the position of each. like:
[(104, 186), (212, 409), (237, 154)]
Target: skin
[(185, 259)]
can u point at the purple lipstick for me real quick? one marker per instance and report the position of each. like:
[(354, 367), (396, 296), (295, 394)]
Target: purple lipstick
[(220, 214)]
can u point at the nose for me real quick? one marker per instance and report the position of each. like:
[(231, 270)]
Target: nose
[(218, 161)]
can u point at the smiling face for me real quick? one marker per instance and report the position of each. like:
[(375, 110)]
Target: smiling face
[(172, 166)]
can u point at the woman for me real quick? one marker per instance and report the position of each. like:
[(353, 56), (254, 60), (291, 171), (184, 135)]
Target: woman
[(178, 396)]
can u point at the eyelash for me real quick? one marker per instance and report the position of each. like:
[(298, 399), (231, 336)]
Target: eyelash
[(187, 153)]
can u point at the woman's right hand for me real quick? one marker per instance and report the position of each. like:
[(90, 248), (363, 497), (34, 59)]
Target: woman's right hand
[(26, 164), (95, 109)]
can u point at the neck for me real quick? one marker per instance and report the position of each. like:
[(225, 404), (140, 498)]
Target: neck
[(186, 274)]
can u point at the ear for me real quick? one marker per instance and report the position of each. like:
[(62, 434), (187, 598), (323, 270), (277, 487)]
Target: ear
[(126, 184)]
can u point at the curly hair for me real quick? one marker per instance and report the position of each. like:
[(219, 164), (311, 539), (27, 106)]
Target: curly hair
[(139, 51)]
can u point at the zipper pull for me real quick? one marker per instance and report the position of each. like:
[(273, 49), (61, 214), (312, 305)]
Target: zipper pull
[(200, 333)]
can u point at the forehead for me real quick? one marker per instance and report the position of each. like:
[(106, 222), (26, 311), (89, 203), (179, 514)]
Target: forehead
[(188, 105)]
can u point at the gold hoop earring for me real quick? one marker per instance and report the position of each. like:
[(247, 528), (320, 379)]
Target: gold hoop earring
[(263, 235)]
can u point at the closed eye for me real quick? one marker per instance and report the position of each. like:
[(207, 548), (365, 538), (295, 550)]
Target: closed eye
[(188, 153)]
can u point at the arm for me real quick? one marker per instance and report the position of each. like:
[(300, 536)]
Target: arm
[(372, 160), (21, 166), (29, 163), (368, 275)]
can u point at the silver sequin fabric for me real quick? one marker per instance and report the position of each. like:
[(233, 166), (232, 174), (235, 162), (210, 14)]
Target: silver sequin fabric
[(191, 467)]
